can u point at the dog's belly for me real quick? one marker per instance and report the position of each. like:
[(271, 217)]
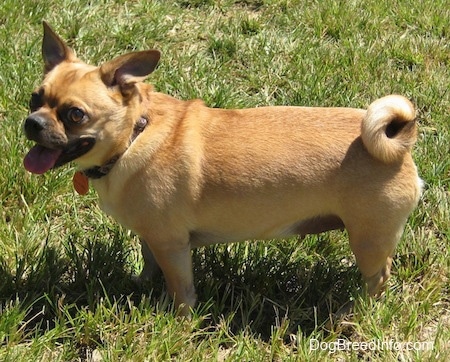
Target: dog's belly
[(312, 225)]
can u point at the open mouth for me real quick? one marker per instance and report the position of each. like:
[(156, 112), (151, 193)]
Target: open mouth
[(40, 159)]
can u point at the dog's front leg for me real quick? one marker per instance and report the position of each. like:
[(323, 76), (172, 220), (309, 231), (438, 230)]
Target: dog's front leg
[(176, 265), (151, 267)]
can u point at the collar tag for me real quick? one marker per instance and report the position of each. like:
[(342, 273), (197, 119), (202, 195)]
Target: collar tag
[(80, 183)]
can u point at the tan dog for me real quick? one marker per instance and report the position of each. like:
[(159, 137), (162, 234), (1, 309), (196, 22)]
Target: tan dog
[(182, 175)]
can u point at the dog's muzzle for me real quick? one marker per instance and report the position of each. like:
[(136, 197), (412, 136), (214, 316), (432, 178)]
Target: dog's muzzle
[(52, 148)]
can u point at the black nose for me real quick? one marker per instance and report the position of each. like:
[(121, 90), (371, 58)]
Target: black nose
[(33, 125)]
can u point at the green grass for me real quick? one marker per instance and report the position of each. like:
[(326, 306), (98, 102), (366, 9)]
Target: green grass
[(66, 287)]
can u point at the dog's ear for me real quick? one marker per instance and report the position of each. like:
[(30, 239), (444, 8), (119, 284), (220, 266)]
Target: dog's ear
[(129, 69), (54, 50)]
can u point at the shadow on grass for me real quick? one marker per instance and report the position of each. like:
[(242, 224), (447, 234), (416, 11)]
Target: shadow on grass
[(262, 284), (67, 279), (258, 284)]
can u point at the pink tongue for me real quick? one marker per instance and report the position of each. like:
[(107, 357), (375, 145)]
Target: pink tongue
[(40, 159)]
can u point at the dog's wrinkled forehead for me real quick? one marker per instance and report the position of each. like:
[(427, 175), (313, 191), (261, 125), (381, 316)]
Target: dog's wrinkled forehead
[(68, 73), (58, 83)]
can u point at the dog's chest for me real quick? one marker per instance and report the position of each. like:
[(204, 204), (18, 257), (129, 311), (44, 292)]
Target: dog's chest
[(110, 207), (126, 200), (109, 200)]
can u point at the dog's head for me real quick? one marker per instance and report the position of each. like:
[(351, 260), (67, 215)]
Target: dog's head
[(81, 112)]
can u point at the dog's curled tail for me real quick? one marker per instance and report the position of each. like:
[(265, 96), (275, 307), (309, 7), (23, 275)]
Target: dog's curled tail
[(389, 129)]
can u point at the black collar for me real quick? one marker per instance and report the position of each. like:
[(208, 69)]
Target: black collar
[(97, 172)]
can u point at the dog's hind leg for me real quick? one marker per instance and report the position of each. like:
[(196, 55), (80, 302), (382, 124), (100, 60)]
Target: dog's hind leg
[(373, 248)]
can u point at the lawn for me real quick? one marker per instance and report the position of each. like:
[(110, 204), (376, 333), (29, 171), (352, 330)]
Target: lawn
[(66, 286)]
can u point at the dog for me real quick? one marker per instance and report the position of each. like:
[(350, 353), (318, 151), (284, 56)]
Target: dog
[(182, 175)]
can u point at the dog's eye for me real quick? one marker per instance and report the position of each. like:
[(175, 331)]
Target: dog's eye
[(75, 115)]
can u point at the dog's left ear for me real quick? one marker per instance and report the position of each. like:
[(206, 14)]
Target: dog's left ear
[(129, 69)]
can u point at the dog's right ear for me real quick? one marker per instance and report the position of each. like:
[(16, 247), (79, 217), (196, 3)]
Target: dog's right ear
[(54, 50)]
